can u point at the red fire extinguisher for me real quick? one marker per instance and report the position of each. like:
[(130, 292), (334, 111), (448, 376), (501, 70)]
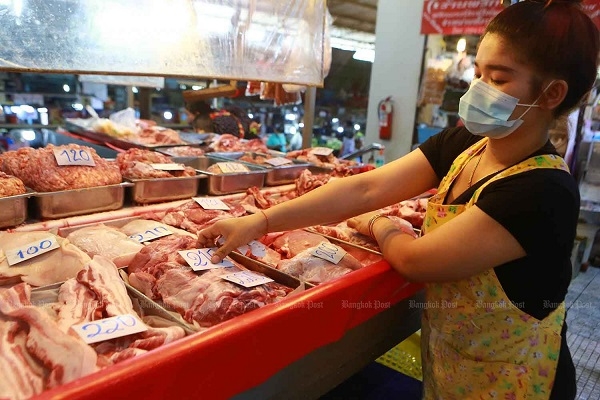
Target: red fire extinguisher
[(385, 112)]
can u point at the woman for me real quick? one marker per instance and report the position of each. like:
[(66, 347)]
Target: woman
[(498, 235)]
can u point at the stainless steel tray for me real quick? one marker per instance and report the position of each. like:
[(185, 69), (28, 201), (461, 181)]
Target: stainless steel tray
[(68, 203), (13, 210), (219, 184), (276, 175), (157, 190)]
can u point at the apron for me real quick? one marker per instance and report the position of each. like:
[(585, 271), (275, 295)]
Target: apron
[(477, 344)]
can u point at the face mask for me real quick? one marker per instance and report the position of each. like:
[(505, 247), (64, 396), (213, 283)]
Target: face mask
[(485, 110)]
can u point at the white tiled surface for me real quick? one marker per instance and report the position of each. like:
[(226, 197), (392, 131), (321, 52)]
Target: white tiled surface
[(583, 335)]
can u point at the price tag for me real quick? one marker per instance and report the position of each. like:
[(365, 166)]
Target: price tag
[(168, 167), (321, 151), (210, 203), (232, 167), (246, 278), (330, 252), (256, 248), (73, 157), (30, 250), (151, 234), (109, 328), (199, 259), (278, 161)]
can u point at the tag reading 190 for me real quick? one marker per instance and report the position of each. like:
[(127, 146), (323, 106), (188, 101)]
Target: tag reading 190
[(199, 259), (232, 167), (278, 161), (73, 157), (151, 234), (329, 252), (246, 278), (321, 151), (211, 204), (30, 250), (109, 328)]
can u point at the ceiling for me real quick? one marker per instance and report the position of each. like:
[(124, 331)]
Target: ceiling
[(353, 23)]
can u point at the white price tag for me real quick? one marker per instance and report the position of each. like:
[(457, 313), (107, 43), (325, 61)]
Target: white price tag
[(73, 157), (168, 167), (278, 161), (151, 234), (30, 250), (256, 248), (247, 279), (109, 328), (210, 203), (330, 252), (199, 259), (232, 167), (321, 151)]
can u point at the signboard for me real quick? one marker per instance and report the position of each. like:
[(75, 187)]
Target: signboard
[(470, 17)]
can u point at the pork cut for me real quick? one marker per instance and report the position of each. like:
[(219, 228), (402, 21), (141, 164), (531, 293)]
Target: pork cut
[(10, 185), (136, 164)]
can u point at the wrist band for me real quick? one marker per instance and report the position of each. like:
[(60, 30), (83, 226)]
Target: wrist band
[(372, 222), (266, 220)]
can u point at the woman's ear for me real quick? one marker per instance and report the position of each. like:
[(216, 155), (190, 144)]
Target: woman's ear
[(555, 94)]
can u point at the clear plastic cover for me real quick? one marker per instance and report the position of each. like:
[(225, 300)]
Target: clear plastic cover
[(265, 40)]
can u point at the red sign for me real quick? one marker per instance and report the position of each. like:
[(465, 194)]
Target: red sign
[(458, 17), (470, 17)]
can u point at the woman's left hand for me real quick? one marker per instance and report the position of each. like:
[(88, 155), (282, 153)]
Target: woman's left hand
[(361, 222)]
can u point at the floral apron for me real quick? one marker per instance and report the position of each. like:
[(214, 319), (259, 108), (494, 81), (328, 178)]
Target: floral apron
[(477, 344)]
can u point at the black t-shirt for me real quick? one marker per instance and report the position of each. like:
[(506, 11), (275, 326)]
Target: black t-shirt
[(540, 209)]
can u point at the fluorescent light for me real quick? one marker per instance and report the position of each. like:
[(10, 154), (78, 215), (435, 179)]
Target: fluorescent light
[(196, 87), (28, 134), (27, 109), (290, 117), (42, 110), (250, 115), (168, 115), (15, 109), (364, 55), (77, 106), (182, 87), (356, 127), (134, 89), (335, 120), (461, 45), (301, 124), (340, 129), (66, 88)]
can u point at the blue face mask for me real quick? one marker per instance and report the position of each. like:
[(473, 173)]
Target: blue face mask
[(485, 110)]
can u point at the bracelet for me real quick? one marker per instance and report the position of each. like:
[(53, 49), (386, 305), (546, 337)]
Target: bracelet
[(372, 222), (266, 220)]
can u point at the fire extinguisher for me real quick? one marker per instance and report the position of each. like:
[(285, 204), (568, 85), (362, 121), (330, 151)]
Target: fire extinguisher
[(385, 113)]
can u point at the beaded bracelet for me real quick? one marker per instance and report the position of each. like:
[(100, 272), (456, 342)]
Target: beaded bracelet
[(372, 222)]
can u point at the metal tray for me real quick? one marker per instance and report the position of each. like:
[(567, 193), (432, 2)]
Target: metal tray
[(276, 175), (13, 210), (68, 203), (157, 190), (168, 150), (220, 184)]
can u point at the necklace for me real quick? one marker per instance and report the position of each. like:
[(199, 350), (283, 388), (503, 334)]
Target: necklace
[(475, 168)]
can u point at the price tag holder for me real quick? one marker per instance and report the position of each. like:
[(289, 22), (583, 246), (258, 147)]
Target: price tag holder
[(278, 161), (199, 259), (151, 234), (30, 250), (168, 167), (247, 278), (321, 151), (330, 252), (232, 167), (73, 157), (109, 328), (211, 204)]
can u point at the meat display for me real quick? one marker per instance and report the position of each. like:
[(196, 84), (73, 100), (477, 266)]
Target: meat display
[(308, 181), (10, 185), (41, 270), (310, 156), (137, 164), (205, 298), (39, 170), (105, 240), (183, 151), (229, 143), (138, 226), (412, 211), (157, 136)]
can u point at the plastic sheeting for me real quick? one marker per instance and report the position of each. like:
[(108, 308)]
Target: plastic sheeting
[(266, 40)]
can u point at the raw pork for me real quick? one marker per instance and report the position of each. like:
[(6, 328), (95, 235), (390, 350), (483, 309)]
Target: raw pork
[(38, 169), (229, 143), (106, 240), (292, 243), (10, 185), (41, 270), (135, 164)]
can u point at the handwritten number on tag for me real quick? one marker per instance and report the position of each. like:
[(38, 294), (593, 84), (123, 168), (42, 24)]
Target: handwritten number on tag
[(329, 252), (75, 155), (107, 328), (151, 234), (31, 250)]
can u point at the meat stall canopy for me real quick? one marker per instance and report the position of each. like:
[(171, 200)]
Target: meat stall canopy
[(266, 40)]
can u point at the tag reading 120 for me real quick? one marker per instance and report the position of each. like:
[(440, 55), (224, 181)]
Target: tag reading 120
[(321, 151), (109, 328), (30, 250), (246, 278), (277, 161), (329, 252), (151, 234), (73, 157), (232, 167), (211, 204), (199, 259)]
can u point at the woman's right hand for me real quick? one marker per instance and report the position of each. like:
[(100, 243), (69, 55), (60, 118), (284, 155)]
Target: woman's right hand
[(235, 232)]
